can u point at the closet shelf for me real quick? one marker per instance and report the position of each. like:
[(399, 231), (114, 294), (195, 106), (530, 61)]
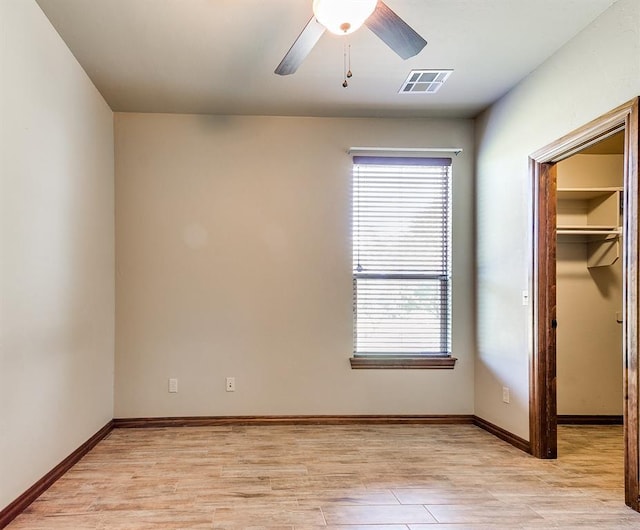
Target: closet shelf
[(586, 193), (588, 230)]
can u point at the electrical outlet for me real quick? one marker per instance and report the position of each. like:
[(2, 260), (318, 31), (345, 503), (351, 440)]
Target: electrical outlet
[(231, 384), (506, 398), (173, 386)]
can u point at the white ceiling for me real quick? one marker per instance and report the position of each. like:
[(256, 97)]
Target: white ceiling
[(218, 56)]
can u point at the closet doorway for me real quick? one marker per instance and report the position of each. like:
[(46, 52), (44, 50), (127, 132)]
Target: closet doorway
[(543, 378), (589, 284)]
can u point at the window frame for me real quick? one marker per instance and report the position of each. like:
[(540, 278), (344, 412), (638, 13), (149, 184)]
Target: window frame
[(442, 360)]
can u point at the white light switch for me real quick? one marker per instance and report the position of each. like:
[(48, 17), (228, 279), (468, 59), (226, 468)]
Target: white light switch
[(173, 386), (525, 297)]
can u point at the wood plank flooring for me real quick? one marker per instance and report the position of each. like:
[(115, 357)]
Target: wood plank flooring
[(360, 477)]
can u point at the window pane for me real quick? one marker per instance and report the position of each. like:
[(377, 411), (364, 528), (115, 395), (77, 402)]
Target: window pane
[(401, 316), (400, 219)]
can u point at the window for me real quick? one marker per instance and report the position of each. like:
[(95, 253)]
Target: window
[(401, 226)]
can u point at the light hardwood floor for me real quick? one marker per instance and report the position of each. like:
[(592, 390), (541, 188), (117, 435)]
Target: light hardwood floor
[(392, 477)]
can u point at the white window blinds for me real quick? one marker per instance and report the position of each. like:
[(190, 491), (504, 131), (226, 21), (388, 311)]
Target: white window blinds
[(401, 229)]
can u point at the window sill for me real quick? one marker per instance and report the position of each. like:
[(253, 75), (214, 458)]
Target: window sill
[(403, 363)]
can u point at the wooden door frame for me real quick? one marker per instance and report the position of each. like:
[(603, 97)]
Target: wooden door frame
[(542, 394)]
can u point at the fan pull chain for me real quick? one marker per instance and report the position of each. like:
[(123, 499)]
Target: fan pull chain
[(345, 84), (347, 64)]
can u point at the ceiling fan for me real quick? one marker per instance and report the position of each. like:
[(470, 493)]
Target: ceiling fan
[(345, 16)]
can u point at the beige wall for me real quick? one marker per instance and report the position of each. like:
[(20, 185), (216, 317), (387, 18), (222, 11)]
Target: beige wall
[(57, 251), (233, 259), (589, 340), (555, 99), (580, 171)]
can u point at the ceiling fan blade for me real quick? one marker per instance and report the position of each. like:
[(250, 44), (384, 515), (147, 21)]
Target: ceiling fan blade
[(301, 47), (395, 32)]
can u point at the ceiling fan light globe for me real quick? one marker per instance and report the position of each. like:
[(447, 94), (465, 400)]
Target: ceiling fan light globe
[(343, 16)]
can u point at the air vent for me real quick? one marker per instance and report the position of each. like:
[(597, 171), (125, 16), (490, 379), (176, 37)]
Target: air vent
[(424, 81)]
